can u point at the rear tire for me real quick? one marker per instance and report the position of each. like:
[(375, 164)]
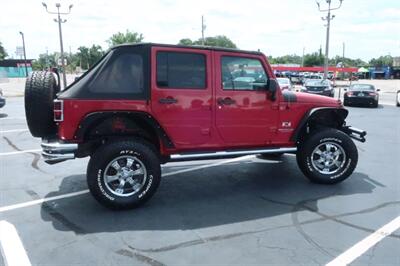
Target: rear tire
[(40, 91), (124, 174), (327, 157)]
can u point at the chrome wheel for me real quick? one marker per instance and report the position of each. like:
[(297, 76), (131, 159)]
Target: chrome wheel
[(328, 158), (125, 176)]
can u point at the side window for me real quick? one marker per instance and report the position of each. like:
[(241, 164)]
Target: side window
[(123, 74), (181, 70), (240, 73)]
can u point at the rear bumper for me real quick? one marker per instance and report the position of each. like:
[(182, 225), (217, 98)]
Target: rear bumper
[(360, 100), (55, 152)]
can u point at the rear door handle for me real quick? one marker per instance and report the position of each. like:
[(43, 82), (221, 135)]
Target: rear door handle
[(168, 100), (225, 101)]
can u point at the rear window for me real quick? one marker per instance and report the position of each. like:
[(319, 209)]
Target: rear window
[(181, 70), (122, 74), (361, 87)]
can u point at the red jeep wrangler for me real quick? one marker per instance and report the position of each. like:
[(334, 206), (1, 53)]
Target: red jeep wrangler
[(143, 105)]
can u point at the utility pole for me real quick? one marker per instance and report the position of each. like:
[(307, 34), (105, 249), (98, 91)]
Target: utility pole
[(343, 53), (328, 18), (59, 21), (302, 58), (203, 27), (23, 45)]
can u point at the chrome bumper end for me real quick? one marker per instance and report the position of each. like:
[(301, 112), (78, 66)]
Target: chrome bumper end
[(55, 152)]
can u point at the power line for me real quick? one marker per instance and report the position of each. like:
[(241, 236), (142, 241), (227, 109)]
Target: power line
[(328, 18)]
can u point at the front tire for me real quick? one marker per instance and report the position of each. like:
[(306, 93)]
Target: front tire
[(327, 157), (124, 174)]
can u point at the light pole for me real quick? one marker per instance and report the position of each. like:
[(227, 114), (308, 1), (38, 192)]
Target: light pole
[(328, 18), (203, 27), (59, 20), (23, 45)]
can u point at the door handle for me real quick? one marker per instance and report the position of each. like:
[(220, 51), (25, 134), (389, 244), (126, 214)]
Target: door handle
[(168, 100), (225, 101)]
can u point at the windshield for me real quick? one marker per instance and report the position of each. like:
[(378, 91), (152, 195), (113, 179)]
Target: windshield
[(317, 83), (283, 81), (362, 87)]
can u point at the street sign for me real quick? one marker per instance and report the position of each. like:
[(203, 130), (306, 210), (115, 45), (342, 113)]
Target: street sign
[(19, 51)]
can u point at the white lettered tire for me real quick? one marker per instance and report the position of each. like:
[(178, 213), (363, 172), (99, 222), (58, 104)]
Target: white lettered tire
[(328, 156), (124, 174)]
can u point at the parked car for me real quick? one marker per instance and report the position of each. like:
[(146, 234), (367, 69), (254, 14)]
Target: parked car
[(2, 99), (398, 98), (143, 105), (312, 76), (361, 94), (318, 86), (285, 84)]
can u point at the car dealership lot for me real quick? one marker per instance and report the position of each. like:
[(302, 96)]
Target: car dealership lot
[(242, 211)]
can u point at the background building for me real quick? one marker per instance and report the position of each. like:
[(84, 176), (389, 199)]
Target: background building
[(14, 68)]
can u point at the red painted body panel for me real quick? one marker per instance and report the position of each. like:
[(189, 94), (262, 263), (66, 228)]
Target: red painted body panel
[(197, 122), (76, 110)]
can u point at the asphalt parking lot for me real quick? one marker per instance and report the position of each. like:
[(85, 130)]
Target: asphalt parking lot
[(242, 211)]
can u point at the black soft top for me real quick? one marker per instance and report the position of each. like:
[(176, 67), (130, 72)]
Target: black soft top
[(124, 73), (200, 47)]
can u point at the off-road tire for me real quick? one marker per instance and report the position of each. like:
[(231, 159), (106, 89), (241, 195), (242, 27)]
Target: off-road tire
[(40, 91), (306, 150), (140, 149)]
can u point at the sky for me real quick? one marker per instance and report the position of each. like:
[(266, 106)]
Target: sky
[(369, 28)]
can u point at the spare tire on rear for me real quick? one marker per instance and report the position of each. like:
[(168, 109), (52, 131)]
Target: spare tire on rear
[(40, 90)]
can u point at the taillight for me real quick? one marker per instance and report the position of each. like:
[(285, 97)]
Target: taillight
[(58, 110)]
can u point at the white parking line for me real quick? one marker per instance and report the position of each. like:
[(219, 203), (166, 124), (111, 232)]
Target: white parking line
[(13, 118), (14, 130), (73, 194), (18, 152), (39, 201), (11, 247), (361, 247)]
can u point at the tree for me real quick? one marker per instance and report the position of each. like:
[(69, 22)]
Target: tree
[(217, 41), (347, 62), (45, 61), (381, 61), (127, 37), (83, 57), (314, 59), (286, 59), (3, 53), (186, 41), (95, 53)]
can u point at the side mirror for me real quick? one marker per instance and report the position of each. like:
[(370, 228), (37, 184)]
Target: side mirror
[(272, 87), (378, 89), (345, 89)]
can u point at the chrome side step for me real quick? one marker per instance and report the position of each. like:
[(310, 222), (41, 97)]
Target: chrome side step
[(227, 154)]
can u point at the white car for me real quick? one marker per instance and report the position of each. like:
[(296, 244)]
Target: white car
[(285, 83)]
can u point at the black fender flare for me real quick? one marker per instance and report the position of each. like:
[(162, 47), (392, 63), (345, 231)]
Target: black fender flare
[(90, 121), (326, 116)]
